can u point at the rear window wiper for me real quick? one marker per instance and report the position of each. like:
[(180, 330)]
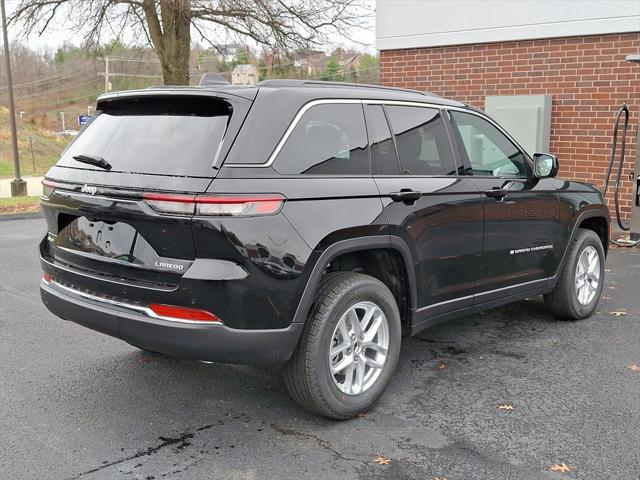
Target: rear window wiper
[(92, 160)]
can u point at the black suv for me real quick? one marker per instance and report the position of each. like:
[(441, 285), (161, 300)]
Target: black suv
[(308, 224)]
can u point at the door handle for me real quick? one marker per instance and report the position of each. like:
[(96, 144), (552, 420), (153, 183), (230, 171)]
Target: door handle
[(496, 192), (405, 195)]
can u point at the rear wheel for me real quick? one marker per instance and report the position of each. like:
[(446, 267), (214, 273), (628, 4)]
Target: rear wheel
[(580, 285), (349, 347)]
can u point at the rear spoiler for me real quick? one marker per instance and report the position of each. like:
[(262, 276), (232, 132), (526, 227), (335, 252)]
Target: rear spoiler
[(222, 91)]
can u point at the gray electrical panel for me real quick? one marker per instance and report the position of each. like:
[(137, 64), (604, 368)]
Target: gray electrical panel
[(527, 118)]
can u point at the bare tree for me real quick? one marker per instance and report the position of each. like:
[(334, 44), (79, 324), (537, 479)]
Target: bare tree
[(280, 25)]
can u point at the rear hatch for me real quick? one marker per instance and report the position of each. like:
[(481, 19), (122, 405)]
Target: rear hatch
[(107, 225)]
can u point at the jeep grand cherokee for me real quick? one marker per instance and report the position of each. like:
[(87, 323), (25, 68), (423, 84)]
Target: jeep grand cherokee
[(308, 224)]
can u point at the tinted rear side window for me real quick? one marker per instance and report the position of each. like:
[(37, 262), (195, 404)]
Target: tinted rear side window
[(155, 135), (329, 139), (384, 160), (422, 141)]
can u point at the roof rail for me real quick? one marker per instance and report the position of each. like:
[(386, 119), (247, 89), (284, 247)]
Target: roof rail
[(322, 83)]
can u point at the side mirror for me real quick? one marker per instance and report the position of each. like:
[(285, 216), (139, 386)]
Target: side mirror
[(545, 165)]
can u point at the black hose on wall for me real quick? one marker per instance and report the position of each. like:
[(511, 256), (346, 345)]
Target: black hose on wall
[(616, 197)]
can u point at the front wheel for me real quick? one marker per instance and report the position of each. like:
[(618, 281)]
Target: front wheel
[(578, 290), (349, 347)]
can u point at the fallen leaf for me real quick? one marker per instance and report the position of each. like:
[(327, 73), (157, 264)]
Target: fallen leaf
[(619, 313), (607, 270), (634, 368), (560, 467), (144, 359), (441, 366), (438, 478), (381, 460), (505, 406)]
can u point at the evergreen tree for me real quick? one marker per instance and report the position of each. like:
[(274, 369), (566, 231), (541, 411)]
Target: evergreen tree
[(368, 69), (332, 71)]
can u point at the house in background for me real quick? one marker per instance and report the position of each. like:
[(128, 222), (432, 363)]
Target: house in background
[(350, 65), (245, 74), (505, 52), (311, 61)]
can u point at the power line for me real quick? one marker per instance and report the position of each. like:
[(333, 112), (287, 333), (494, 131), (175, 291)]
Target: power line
[(73, 85), (53, 78), (135, 75), (50, 105), (134, 60)]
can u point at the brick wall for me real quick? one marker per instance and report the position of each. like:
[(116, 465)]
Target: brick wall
[(587, 77)]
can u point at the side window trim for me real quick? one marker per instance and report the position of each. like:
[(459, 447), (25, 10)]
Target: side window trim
[(367, 113), (383, 103), (459, 146), (458, 160), (467, 163), (331, 114), (393, 138), (294, 123)]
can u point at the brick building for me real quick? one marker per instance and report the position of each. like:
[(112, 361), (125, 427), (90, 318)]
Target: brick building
[(573, 52)]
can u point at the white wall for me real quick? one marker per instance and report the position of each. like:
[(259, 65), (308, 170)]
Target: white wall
[(427, 23)]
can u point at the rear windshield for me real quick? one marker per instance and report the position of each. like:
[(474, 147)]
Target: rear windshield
[(154, 135)]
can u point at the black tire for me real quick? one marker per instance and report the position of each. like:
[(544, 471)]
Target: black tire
[(563, 300), (307, 374)]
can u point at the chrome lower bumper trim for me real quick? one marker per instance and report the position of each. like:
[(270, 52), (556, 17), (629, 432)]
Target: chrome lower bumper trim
[(126, 306)]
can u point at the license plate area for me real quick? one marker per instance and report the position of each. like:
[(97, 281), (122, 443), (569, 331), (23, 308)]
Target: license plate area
[(116, 242)]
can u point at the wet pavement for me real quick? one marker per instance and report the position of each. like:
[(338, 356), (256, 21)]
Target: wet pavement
[(78, 404)]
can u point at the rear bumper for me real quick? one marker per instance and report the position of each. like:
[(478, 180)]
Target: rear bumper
[(216, 343)]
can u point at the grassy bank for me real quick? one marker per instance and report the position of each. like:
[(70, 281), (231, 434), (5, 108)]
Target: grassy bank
[(19, 205), (47, 147)]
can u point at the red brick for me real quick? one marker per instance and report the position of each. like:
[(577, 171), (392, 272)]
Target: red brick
[(587, 77)]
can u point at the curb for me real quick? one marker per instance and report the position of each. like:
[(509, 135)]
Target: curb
[(21, 216)]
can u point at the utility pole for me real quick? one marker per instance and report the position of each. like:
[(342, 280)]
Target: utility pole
[(18, 186), (106, 73)]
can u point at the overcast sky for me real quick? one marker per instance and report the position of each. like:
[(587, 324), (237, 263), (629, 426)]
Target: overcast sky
[(56, 35)]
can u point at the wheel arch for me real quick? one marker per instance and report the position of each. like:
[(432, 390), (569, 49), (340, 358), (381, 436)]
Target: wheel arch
[(354, 246), (600, 225), (596, 219)]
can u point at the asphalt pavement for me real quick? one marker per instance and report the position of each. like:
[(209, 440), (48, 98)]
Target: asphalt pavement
[(75, 404)]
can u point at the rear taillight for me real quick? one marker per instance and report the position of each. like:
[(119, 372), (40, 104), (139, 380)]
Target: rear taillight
[(183, 313), (47, 188), (46, 278), (237, 206), (215, 205), (167, 203)]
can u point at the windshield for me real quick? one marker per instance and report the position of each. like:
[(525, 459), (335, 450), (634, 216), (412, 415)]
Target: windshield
[(157, 135)]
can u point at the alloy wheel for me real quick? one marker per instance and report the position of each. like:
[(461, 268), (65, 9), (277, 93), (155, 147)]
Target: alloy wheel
[(587, 276), (359, 348)]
